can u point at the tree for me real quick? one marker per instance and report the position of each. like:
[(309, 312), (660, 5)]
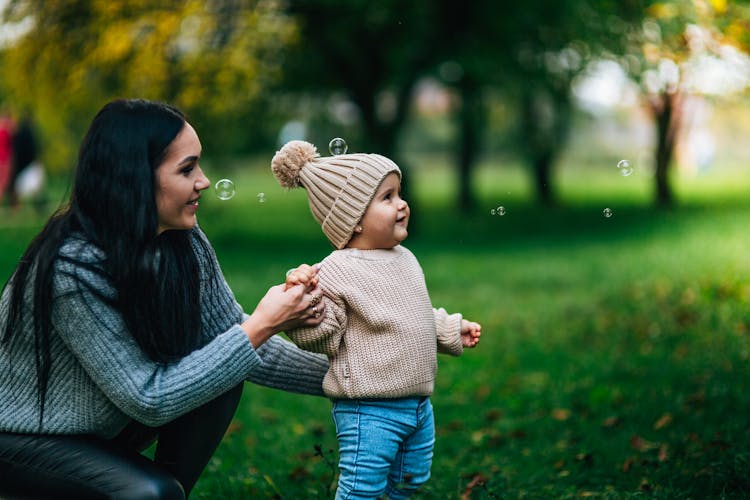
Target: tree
[(214, 59), (661, 55), (531, 52), (376, 52), (373, 52), (554, 47), (471, 59)]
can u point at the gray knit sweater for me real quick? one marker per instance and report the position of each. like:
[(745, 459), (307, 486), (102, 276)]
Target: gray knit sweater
[(380, 331), (100, 379)]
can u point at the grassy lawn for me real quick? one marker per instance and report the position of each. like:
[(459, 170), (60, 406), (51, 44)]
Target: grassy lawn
[(614, 356)]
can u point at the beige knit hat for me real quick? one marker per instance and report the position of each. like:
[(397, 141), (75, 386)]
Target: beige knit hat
[(339, 188)]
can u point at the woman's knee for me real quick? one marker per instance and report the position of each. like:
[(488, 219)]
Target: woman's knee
[(156, 487), (79, 467)]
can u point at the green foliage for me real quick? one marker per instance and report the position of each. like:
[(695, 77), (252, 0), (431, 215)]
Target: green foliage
[(215, 60), (241, 69)]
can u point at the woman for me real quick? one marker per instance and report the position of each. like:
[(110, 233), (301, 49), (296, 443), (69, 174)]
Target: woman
[(117, 327)]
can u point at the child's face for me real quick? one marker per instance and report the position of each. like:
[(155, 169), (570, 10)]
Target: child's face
[(386, 218)]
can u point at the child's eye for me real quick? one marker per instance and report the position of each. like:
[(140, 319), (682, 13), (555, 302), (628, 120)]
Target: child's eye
[(187, 170)]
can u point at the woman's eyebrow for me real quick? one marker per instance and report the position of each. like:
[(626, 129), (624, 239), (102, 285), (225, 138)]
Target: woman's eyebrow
[(188, 160)]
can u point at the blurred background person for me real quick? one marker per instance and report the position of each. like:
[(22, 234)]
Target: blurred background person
[(6, 151), (23, 154)]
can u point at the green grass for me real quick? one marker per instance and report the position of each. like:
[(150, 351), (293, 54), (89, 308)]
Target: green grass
[(615, 353)]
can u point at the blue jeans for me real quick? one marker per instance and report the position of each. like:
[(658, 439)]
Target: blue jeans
[(385, 446)]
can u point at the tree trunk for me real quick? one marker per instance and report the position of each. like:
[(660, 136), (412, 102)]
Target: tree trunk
[(667, 112), (542, 177), (381, 137), (538, 141), (470, 120)]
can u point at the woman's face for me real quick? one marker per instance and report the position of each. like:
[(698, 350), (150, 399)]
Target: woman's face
[(179, 182)]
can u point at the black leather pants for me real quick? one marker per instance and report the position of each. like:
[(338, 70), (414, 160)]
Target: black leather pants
[(85, 467)]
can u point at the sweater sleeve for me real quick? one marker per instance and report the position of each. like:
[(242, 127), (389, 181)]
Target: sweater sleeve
[(85, 318), (448, 328), (326, 337), (149, 392), (287, 367)]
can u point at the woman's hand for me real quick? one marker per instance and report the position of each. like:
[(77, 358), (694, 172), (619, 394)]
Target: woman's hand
[(281, 310)]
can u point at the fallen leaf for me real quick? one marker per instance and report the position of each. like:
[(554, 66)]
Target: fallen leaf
[(483, 391), (477, 479), (663, 421), (586, 458), (610, 422), (719, 444), (299, 474), (234, 427), (640, 444), (645, 485), (477, 436), (493, 415), (663, 453), (561, 414), (518, 433), (454, 425)]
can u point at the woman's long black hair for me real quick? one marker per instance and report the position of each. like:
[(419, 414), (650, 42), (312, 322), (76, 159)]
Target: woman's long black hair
[(113, 206)]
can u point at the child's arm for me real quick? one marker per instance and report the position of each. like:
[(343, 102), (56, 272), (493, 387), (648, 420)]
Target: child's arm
[(448, 327), (470, 333), (324, 338), (454, 333)]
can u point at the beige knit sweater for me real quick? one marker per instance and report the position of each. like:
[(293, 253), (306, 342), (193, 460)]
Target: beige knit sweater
[(380, 330)]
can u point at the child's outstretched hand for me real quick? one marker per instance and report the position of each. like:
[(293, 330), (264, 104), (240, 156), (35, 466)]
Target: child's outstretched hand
[(470, 333), (302, 275)]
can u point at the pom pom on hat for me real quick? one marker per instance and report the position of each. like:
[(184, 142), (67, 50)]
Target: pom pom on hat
[(289, 161)]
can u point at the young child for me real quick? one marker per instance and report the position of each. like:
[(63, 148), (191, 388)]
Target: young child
[(379, 330)]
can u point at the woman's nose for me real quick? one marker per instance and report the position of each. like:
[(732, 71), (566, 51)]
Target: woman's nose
[(202, 182)]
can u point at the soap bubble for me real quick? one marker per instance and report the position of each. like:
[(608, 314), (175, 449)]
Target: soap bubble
[(625, 168), (608, 213), (225, 189), (261, 197), (337, 146), (498, 211)]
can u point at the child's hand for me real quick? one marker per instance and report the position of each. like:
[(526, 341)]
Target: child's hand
[(470, 333), (302, 275)]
